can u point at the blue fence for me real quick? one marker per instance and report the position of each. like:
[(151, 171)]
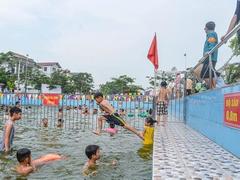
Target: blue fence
[(78, 111), (139, 102), (176, 109), (205, 113)]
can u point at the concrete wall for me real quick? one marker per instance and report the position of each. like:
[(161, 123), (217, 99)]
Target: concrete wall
[(205, 113)]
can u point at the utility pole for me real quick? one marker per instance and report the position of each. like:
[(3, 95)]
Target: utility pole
[(26, 75), (185, 55), (18, 76)]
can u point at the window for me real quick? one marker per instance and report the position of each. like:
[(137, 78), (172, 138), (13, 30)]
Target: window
[(45, 68)]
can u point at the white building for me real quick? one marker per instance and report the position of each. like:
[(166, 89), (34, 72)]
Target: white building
[(49, 67), (20, 62), (17, 64)]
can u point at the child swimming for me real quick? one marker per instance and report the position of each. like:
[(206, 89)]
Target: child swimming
[(93, 154), (111, 130), (27, 165), (45, 122), (60, 117), (9, 129)]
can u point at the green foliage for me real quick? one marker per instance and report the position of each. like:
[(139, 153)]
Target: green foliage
[(232, 73), (76, 83), (62, 79), (3, 76), (122, 84), (36, 78), (70, 83), (10, 85), (160, 77), (83, 82), (234, 45), (7, 78), (233, 70)]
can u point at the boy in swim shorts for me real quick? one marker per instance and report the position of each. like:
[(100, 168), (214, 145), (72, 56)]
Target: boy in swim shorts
[(111, 116), (162, 104)]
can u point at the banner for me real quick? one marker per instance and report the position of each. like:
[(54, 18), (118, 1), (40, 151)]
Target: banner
[(51, 99), (232, 110)]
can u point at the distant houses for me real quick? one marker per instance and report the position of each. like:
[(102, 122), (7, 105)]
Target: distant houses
[(17, 64), (20, 63), (49, 67)]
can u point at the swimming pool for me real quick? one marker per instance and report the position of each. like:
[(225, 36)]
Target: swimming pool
[(124, 147)]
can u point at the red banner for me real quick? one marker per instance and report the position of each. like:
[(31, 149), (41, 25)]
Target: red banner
[(51, 99), (232, 110)]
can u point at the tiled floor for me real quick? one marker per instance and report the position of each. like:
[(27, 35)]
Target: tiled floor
[(182, 153)]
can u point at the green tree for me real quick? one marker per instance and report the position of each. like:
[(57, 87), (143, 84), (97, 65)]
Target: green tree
[(62, 79), (7, 77), (83, 82), (122, 84), (233, 70), (36, 78), (234, 45), (163, 76), (232, 73)]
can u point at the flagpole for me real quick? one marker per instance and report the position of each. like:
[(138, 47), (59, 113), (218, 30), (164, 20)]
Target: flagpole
[(154, 95), (155, 82), (155, 71), (153, 57)]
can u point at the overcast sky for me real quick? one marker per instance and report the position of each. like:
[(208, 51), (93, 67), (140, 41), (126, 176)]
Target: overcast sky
[(108, 38)]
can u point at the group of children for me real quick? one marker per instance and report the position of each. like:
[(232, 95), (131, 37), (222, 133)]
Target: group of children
[(114, 118), (27, 165)]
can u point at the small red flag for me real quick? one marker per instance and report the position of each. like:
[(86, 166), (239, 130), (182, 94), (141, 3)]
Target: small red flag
[(153, 53)]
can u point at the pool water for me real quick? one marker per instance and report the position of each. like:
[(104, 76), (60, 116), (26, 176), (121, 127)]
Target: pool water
[(134, 162)]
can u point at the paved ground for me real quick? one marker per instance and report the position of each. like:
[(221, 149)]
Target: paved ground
[(182, 153)]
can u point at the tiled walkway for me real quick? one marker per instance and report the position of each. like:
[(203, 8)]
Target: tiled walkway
[(182, 153)]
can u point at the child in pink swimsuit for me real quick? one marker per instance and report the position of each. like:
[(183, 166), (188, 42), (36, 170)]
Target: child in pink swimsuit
[(111, 130)]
